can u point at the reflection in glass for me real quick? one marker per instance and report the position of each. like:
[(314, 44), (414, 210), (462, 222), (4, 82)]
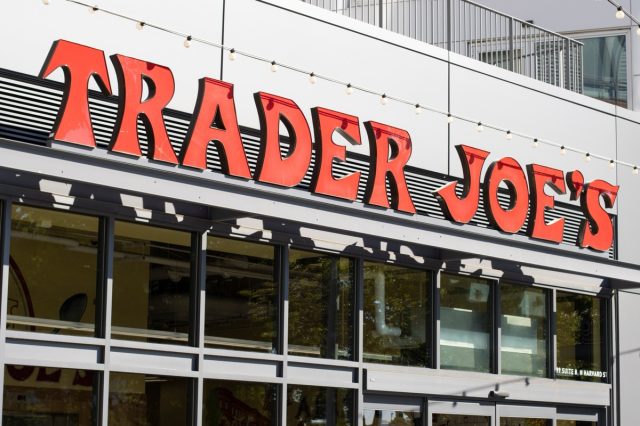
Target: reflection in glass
[(321, 305), (397, 315), (311, 405), (391, 418), (514, 421), (581, 338), (605, 68), (48, 396), (147, 400), (241, 310), (151, 283), (524, 330), (465, 323), (575, 423), (460, 420), (53, 275), (241, 403)]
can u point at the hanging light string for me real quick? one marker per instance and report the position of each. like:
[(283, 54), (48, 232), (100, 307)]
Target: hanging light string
[(384, 98), (621, 13)]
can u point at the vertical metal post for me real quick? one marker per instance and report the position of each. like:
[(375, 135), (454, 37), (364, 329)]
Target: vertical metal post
[(197, 318), (380, 10), (283, 325), (512, 53), (5, 235), (497, 329), (108, 229), (553, 338), (449, 32), (568, 69)]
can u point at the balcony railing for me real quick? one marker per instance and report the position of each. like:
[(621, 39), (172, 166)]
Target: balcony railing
[(477, 32)]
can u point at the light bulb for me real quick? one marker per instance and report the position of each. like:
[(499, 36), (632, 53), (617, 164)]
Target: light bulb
[(274, 66), (480, 127), (612, 164), (418, 109), (93, 9), (638, 30), (232, 55), (187, 42), (312, 78), (509, 135), (383, 99), (449, 118), (635, 170), (563, 150), (349, 89), (587, 157), (620, 13), (535, 143), (140, 25)]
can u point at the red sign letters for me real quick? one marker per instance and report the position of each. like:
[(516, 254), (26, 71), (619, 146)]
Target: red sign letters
[(214, 120)]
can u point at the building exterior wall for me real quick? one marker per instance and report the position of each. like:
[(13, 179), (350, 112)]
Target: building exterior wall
[(330, 45)]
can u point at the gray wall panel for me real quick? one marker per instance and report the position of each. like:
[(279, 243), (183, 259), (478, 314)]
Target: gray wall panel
[(629, 318)]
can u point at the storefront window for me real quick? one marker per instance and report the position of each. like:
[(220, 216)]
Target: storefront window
[(397, 315), (48, 396), (515, 421), (321, 305), (581, 338), (460, 420), (53, 275), (391, 418), (239, 403), (151, 284), (241, 296), (311, 405), (524, 330), (465, 323), (575, 423), (139, 399)]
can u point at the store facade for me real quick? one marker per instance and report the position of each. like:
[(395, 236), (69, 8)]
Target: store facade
[(331, 259)]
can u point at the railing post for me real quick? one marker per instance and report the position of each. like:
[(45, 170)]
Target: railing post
[(512, 53), (567, 65), (380, 10), (449, 29)]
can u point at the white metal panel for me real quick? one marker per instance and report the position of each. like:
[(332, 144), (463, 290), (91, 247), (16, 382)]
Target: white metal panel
[(400, 66), (64, 20)]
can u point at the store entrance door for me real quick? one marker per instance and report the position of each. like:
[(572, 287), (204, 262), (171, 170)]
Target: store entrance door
[(392, 411), (454, 413)]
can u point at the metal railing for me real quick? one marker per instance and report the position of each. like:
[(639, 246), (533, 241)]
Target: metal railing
[(477, 32)]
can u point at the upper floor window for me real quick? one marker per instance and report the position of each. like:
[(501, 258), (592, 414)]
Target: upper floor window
[(605, 69)]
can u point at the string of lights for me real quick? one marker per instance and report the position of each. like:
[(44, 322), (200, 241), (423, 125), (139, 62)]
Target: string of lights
[(621, 13), (384, 98)]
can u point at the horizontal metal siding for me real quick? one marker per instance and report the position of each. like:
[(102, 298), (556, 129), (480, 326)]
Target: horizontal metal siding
[(28, 108)]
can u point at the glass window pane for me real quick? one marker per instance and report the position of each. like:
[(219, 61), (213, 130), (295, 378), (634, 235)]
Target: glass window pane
[(524, 330), (48, 396), (141, 400), (241, 403), (241, 310), (575, 423), (311, 405), (605, 68), (465, 323), (151, 283), (581, 332), (460, 420), (397, 315), (53, 275), (391, 418), (321, 305), (514, 421)]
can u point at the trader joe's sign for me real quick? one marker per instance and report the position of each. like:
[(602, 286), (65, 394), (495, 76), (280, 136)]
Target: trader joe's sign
[(214, 120)]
